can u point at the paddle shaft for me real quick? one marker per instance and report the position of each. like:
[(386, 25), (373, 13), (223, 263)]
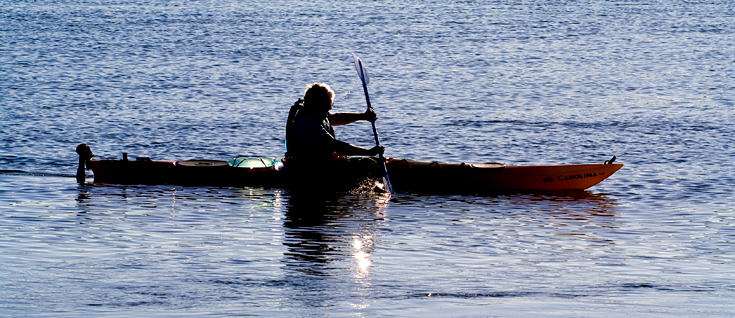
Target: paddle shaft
[(375, 130), (377, 141)]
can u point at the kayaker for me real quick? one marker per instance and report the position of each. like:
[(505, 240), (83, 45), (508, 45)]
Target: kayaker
[(309, 133)]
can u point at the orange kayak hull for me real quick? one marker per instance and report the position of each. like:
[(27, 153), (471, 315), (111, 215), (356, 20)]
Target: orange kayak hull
[(560, 177), (483, 178)]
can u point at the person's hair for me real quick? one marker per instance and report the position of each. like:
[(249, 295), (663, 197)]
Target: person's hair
[(315, 95)]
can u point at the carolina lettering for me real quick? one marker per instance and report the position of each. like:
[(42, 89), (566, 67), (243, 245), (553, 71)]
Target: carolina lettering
[(576, 176)]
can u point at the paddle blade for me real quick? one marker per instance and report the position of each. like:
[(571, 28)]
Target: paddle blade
[(361, 70)]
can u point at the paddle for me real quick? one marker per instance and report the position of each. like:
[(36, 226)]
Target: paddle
[(362, 72)]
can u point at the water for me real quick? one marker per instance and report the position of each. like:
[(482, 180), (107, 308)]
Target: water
[(520, 82)]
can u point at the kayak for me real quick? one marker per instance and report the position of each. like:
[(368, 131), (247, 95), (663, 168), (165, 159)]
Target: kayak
[(405, 174)]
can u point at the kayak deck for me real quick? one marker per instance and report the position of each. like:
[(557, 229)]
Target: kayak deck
[(190, 172)]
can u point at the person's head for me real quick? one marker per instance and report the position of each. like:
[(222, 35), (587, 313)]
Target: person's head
[(318, 98)]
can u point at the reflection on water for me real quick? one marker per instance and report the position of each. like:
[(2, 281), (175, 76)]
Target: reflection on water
[(330, 241), (323, 229), (436, 244)]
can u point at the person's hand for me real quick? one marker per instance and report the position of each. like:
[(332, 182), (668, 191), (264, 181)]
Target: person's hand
[(377, 150), (370, 115)]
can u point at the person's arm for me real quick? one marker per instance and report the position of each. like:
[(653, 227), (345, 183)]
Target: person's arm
[(352, 150), (338, 119)]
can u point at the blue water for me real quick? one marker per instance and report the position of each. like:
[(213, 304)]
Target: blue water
[(519, 82)]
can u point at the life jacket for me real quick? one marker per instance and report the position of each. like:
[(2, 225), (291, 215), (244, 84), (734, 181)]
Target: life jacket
[(297, 107)]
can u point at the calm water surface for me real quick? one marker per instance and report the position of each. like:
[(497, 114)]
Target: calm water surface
[(520, 82)]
